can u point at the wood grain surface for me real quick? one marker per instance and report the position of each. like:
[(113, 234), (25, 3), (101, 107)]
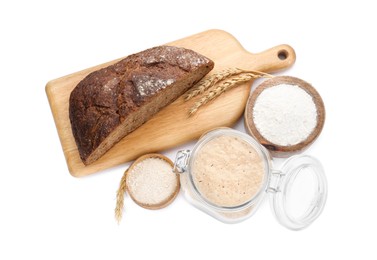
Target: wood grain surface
[(171, 126)]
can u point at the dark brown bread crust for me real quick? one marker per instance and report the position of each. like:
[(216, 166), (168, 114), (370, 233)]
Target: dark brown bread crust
[(113, 96)]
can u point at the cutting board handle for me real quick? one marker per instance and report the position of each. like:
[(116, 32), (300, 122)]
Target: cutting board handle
[(274, 59)]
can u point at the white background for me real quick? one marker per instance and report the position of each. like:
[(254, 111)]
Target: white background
[(47, 214)]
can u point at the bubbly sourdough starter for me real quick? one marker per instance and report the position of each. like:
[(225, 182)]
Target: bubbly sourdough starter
[(228, 171)]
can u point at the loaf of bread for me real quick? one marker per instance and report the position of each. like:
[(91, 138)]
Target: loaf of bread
[(111, 102)]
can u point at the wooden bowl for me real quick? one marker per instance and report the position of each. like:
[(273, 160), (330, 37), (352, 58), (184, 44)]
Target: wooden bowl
[(166, 201), (278, 150)]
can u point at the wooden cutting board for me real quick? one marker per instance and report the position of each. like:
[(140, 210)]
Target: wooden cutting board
[(171, 126)]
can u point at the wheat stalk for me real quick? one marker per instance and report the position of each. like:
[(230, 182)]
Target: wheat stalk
[(226, 85), (120, 198), (209, 82)]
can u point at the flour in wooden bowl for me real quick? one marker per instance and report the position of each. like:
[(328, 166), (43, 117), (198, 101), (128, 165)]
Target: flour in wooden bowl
[(285, 114)]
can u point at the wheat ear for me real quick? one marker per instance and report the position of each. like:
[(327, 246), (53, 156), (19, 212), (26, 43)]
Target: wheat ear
[(206, 83), (224, 86), (120, 198)]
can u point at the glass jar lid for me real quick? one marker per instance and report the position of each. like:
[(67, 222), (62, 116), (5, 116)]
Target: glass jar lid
[(298, 191)]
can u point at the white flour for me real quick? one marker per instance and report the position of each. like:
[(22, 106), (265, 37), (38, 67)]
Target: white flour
[(285, 114)]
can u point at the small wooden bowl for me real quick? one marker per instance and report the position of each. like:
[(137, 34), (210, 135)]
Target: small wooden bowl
[(278, 150), (163, 203)]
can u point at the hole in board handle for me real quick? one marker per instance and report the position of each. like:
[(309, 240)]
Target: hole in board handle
[(282, 54)]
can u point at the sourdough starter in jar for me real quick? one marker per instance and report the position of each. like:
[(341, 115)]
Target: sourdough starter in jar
[(228, 171)]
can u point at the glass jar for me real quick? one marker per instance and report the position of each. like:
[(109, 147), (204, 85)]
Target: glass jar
[(297, 191)]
